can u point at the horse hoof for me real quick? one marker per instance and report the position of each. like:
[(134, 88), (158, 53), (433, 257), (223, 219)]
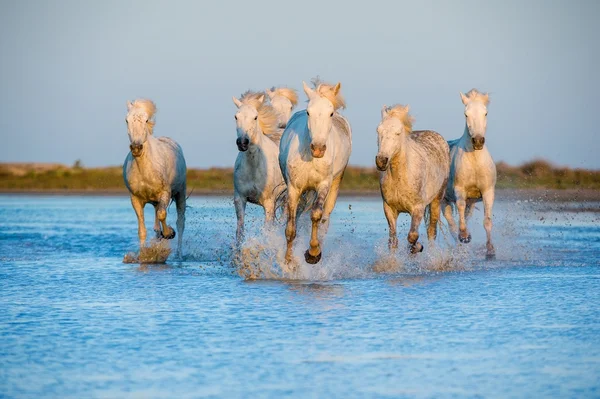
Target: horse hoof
[(312, 259), (169, 236), (465, 240), (490, 256), (416, 248)]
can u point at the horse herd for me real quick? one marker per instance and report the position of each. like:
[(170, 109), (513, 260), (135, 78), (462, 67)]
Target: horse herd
[(298, 161)]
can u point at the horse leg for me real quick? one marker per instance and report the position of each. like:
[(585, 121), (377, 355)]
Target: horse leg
[(330, 203), (269, 206), (290, 229), (240, 209), (138, 207), (167, 232), (313, 254), (180, 204), (413, 234), (461, 204), (156, 222), (447, 208), (434, 217), (391, 214), (488, 203)]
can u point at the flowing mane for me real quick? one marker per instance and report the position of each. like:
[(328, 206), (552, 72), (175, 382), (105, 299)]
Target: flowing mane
[(476, 95), (148, 107), (328, 91), (267, 117), (286, 92), (400, 112)]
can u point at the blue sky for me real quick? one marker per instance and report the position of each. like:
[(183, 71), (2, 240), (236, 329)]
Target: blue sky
[(67, 69)]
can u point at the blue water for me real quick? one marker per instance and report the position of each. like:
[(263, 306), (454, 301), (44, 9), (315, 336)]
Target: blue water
[(76, 322)]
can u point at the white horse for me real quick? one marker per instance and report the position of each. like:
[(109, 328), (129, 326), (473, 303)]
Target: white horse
[(314, 152), (472, 171), (414, 171), (283, 100), (256, 178), (154, 172)]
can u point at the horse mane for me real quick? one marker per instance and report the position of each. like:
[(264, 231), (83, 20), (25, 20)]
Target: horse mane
[(327, 90), (476, 95), (286, 92), (148, 107), (400, 112), (268, 119)]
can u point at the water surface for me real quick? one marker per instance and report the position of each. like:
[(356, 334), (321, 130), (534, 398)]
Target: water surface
[(76, 322)]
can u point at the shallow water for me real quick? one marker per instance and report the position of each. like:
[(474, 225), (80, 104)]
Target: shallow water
[(76, 322)]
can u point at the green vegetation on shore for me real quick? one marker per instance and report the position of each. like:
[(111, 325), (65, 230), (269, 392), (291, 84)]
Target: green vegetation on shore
[(55, 177)]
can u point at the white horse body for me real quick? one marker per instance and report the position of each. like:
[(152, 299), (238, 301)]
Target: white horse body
[(313, 155), (472, 171), (154, 172), (414, 170), (256, 178)]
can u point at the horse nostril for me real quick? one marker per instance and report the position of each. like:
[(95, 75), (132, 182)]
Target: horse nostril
[(381, 162)]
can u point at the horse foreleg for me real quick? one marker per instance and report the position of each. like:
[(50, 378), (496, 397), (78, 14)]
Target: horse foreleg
[(180, 204), (269, 207), (240, 209), (434, 217), (391, 214), (461, 204), (138, 207), (330, 203), (413, 234), (447, 208), (293, 197), (161, 214), (313, 254), (488, 203), (156, 222)]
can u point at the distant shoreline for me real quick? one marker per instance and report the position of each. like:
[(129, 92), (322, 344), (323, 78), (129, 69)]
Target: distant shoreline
[(502, 194)]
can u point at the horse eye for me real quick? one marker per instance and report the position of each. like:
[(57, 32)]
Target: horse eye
[(465, 114), (486, 114), (256, 117), (235, 116), (331, 115), (307, 114)]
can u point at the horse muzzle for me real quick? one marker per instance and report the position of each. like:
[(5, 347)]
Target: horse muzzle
[(381, 162), (242, 144), (478, 142), (318, 151), (136, 149)]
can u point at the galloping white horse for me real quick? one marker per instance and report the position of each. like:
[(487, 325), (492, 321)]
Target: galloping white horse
[(314, 152), (154, 172), (414, 171), (472, 170), (283, 100), (256, 177)]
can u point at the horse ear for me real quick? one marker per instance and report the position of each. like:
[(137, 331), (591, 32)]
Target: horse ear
[(407, 108), (237, 102), (270, 93), (261, 99), (337, 88), (384, 111), (129, 105), (309, 92), (464, 98)]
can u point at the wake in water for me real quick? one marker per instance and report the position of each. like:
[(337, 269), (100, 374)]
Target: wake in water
[(354, 254)]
